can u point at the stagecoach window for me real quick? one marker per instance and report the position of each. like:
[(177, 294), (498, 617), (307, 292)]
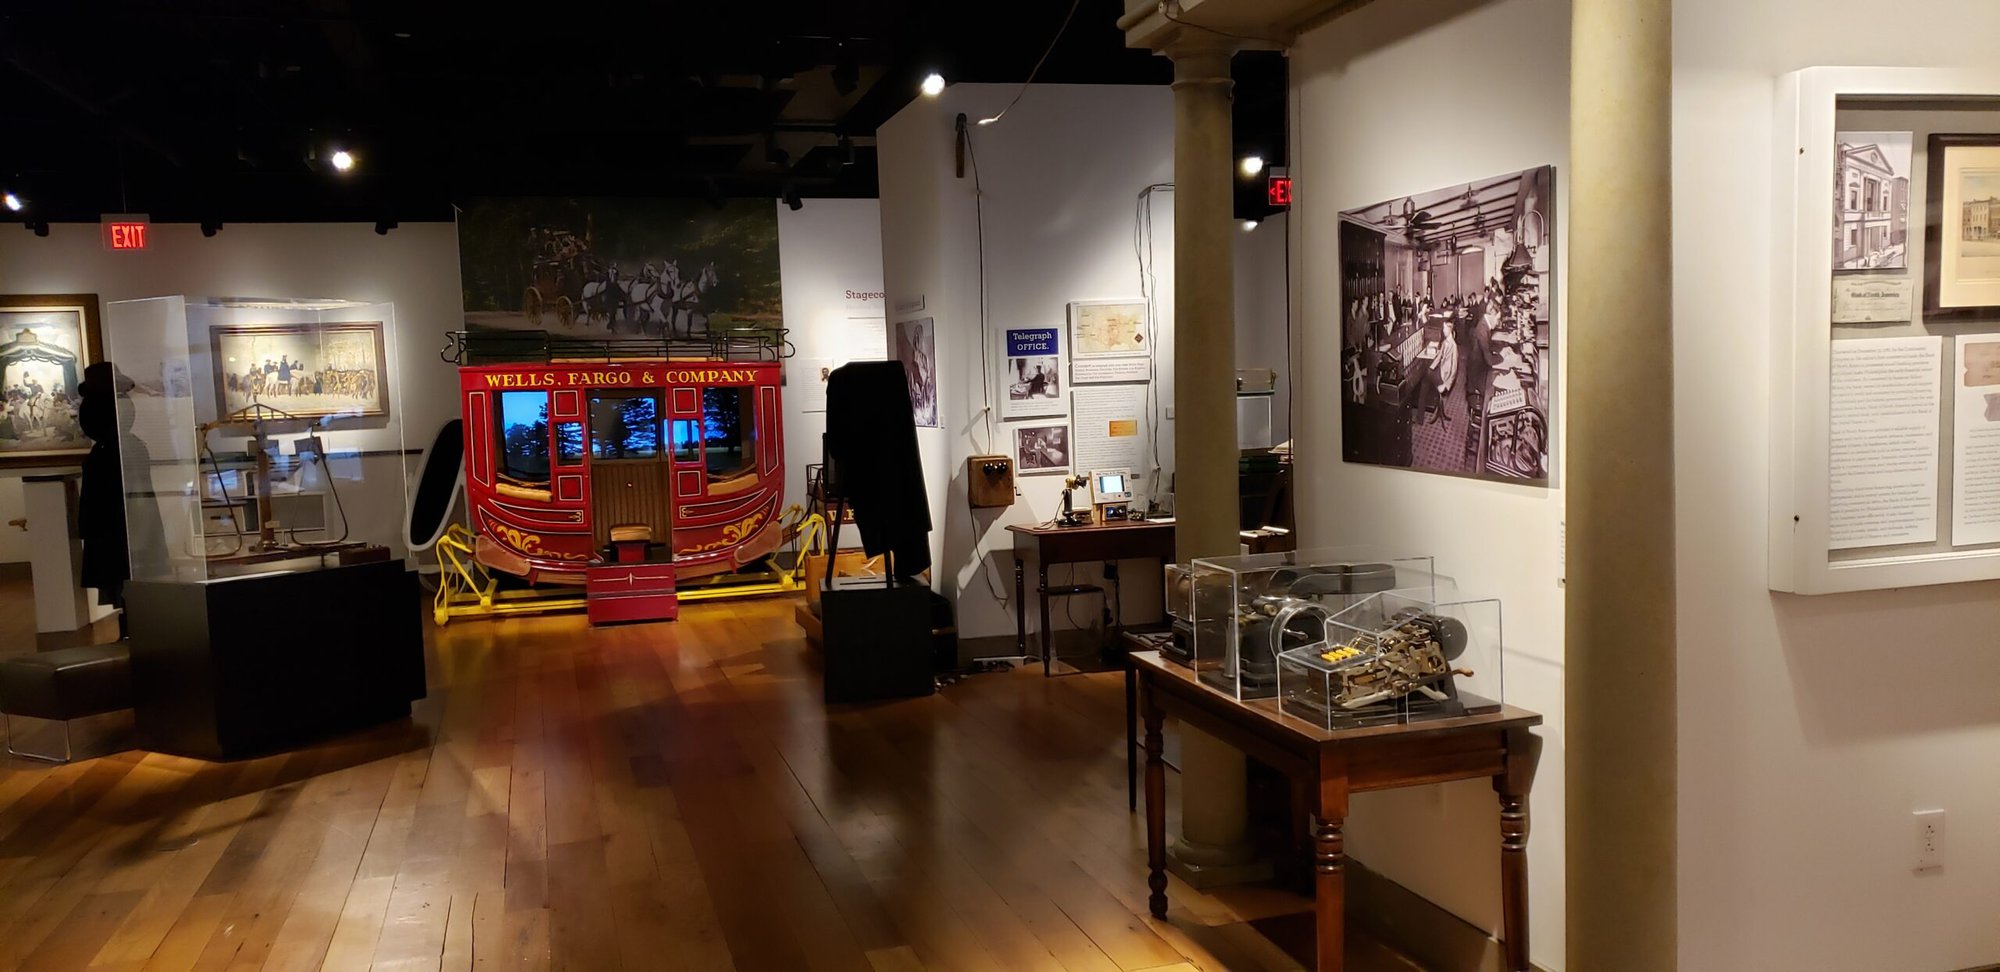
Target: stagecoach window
[(687, 440), (524, 436), (624, 426), (569, 443), (729, 420)]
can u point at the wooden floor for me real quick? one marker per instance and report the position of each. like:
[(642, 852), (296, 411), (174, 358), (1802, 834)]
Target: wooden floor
[(669, 796)]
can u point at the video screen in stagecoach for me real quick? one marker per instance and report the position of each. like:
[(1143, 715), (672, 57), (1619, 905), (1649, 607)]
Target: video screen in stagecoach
[(524, 436), (624, 426), (729, 417)]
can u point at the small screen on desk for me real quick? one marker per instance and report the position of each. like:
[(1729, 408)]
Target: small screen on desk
[(1110, 485)]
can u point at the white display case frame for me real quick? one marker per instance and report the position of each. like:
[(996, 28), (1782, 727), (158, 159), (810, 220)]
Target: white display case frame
[(1802, 329)]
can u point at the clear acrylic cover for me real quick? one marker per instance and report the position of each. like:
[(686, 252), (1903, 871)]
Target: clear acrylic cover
[(1248, 610), (257, 436), (1398, 657)]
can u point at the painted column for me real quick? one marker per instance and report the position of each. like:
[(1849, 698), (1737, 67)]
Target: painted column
[(1213, 844), (1619, 693)]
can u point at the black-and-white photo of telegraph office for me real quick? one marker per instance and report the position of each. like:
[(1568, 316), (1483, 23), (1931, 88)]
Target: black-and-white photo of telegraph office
[(1446, 327)]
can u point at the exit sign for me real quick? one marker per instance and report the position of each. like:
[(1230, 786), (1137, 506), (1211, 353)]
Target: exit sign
[(126, 232), (1278, 190)]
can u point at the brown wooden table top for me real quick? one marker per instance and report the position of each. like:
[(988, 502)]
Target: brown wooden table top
[(1042, 529), (1183, 683)]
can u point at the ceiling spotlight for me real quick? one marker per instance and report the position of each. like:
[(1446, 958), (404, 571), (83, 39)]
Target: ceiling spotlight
[(933, 85), (383, 226), (210, 227), (39, 227), (14, 203), (1249, 224), (1252, 165), (342, 159), (791, 197)]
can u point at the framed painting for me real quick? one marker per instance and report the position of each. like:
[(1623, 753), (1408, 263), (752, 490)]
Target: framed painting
[(46, 341), (1962, 228), (303, 370)]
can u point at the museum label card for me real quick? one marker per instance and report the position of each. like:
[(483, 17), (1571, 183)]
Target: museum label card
[(1882, 465), (1975, 466), (1108, 425), (1873, 299)]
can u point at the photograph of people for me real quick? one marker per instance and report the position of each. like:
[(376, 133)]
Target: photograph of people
[(1446, 326), (1042, 448), (1033, 378)]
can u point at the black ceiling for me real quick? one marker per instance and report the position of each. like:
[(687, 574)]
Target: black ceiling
[(216, 110)]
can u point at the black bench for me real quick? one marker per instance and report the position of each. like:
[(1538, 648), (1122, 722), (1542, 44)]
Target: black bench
[(69, 683)]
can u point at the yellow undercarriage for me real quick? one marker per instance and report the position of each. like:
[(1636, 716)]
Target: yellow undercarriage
[(468, 589)]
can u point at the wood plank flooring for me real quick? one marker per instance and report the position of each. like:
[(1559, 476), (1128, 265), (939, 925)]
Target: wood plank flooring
[(670, 796)]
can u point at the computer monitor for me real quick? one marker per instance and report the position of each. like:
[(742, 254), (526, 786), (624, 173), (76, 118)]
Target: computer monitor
[(1112, 486)]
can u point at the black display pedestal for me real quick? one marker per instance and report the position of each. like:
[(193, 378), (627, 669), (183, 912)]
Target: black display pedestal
[(878, 639), (239, 668)]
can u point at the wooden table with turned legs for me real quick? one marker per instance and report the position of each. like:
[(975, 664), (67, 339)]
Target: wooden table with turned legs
[(1331, 765)]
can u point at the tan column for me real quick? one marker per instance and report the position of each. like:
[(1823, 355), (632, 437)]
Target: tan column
[(1619, 622), (1213, 845), (1204, 303)]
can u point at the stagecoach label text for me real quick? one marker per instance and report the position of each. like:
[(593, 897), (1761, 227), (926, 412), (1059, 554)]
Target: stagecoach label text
[(571, 379)]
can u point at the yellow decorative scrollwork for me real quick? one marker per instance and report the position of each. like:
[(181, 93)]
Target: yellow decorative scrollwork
[(734, 533), (530, 544)]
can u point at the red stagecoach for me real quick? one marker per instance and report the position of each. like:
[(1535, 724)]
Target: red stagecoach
[(644, 470)]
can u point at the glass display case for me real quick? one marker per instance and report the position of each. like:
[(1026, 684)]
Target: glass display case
[(1395, 657), (1243, 612), (256, 436)]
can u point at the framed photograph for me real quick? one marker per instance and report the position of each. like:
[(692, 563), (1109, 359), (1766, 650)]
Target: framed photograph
[(304, 370), (916, 348), (1033, 380), (1962, 228), (1041, 449), (46, 341), (1871, 180), (1446, 323)]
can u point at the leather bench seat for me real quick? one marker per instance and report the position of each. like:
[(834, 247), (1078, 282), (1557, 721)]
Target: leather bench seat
[(68, 683)]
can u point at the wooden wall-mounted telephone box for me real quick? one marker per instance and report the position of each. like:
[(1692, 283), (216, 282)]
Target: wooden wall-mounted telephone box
[(990, 481)]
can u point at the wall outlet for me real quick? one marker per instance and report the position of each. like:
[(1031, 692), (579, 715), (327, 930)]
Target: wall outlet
[(1930, 839)]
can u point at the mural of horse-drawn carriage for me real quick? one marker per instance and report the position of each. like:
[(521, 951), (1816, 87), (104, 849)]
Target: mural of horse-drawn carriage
[(658, 298)]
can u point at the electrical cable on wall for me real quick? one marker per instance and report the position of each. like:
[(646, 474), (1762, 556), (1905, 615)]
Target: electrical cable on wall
[(1149, 288), (985, 341), (1037, 69)]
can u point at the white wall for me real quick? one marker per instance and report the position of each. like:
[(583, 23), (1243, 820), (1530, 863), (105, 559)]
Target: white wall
[(1263, 312), (1395, 99), (824, 249), (1809, 727), (1061, 177), (415, 266)]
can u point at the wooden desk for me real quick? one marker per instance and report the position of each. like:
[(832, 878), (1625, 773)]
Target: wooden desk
[(1333, 764), (1141, 540)]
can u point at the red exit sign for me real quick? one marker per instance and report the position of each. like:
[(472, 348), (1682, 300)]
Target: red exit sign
[(1278, 191), (126, 232)]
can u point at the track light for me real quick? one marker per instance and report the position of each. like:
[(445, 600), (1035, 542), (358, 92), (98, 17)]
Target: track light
[(342, 159), (933, 85), (791, 197), (13, 202), (1249, 224), (383, 226), (210, 227), (1252, 165), (40, 227)]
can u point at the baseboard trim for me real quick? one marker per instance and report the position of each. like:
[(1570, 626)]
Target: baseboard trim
[(1411, 924)]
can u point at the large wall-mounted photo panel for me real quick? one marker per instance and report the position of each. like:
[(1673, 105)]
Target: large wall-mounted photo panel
[(46, 341), (619, 267), (1447, 324)]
